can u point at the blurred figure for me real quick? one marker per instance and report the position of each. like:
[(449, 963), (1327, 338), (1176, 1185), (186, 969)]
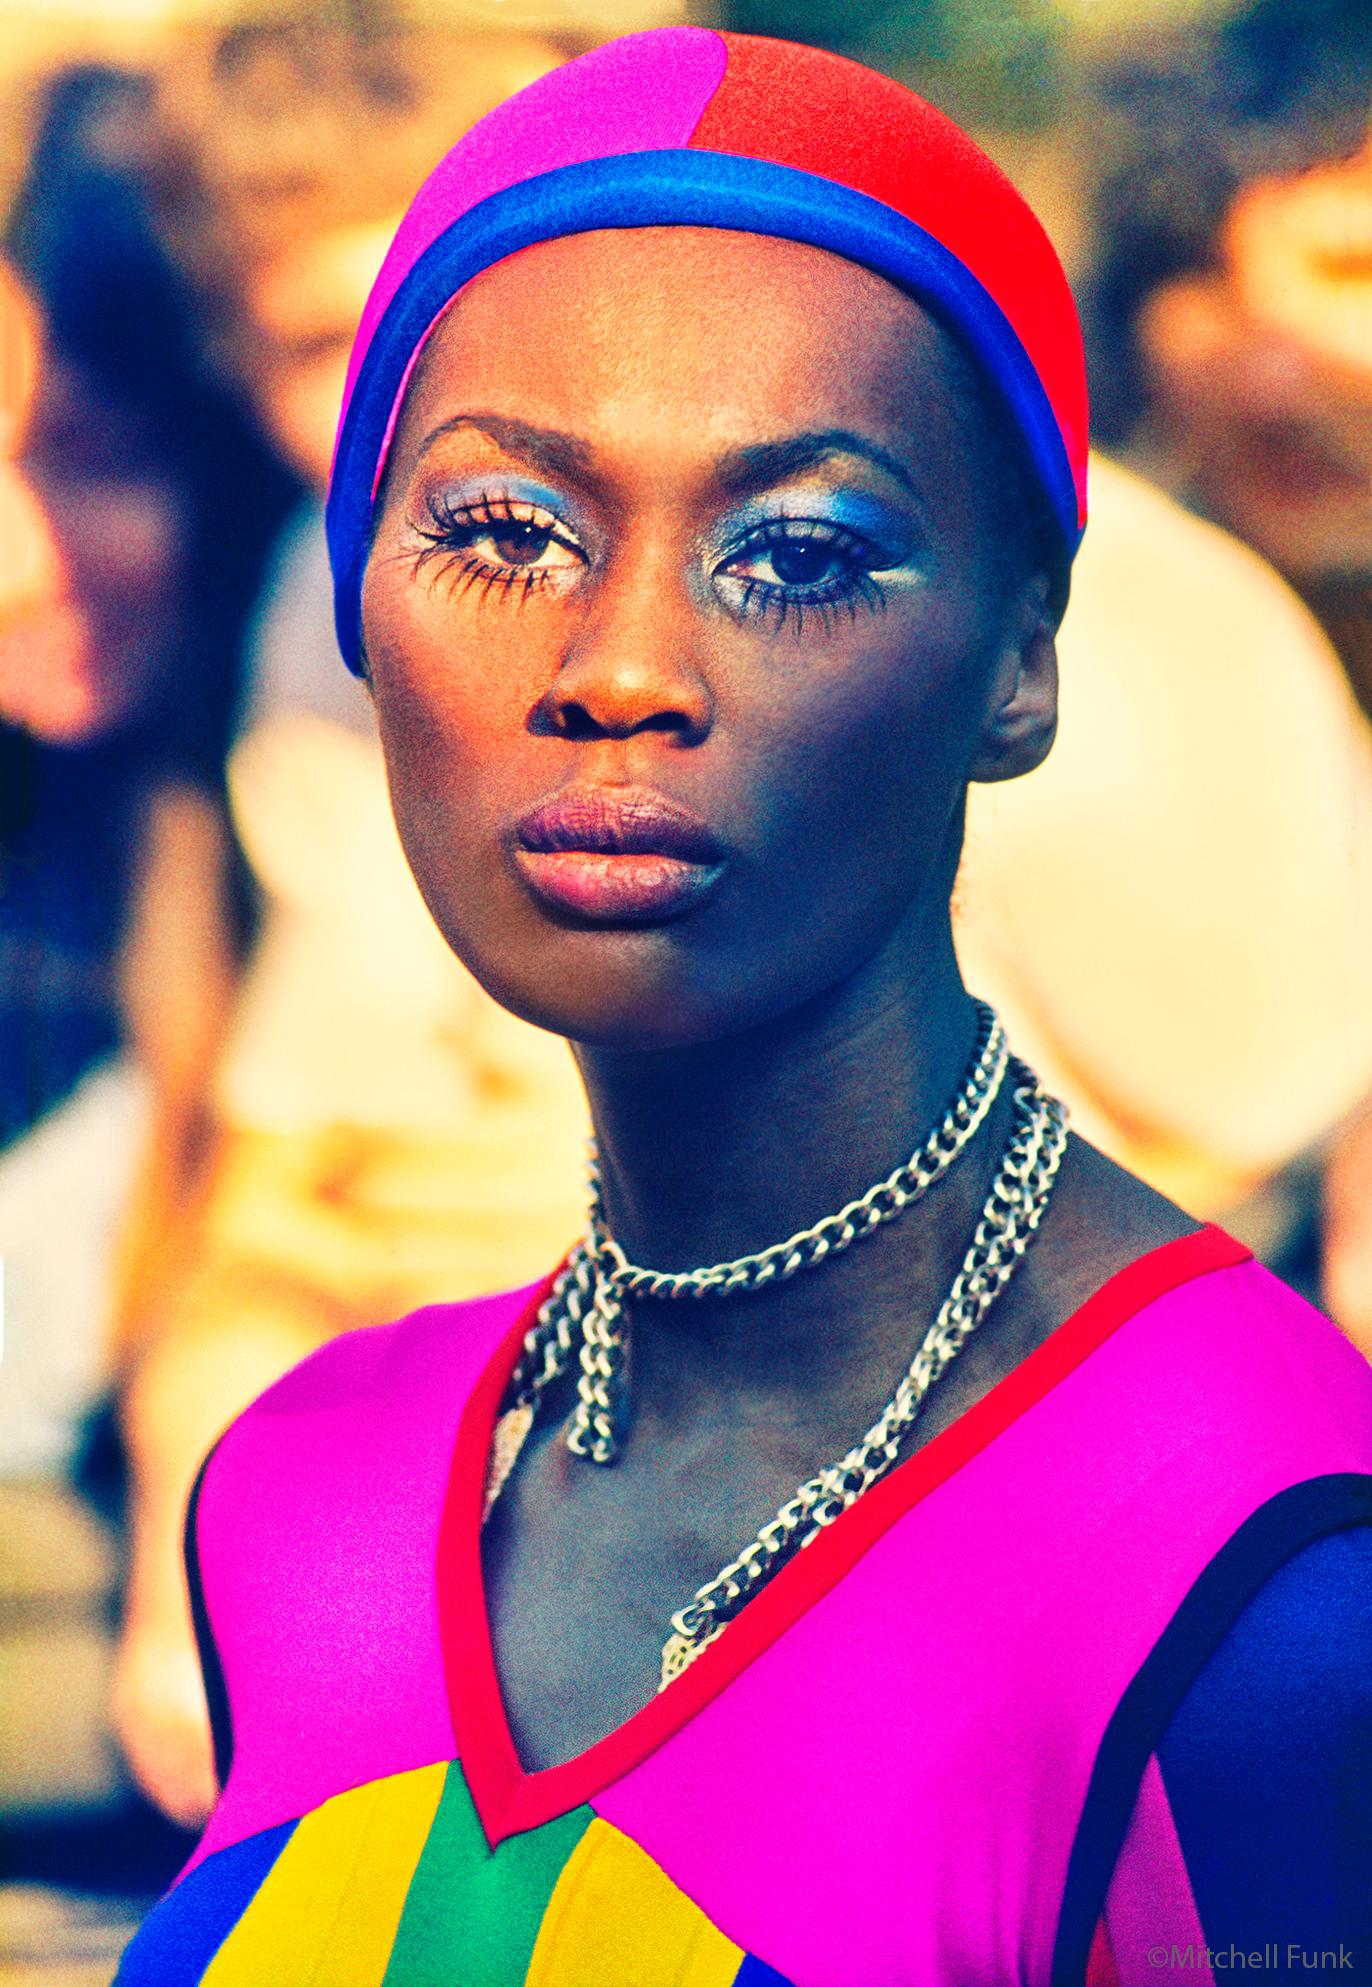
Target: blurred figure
[(376, 1133), (1232, 308), (136, 507), (152, 506), (1262, 372), (1232, 319)]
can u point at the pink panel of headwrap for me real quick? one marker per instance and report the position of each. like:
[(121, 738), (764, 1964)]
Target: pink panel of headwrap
[(644, 93)]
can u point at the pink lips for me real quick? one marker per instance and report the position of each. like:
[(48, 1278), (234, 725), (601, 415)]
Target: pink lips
[(617, 855)]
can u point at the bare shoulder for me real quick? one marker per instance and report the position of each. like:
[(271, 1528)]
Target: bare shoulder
[(1101, 1219)]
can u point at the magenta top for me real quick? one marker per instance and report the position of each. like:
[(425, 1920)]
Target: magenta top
[(929, 1752)]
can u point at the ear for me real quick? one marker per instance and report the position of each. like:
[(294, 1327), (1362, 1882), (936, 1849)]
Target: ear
[(1022, 720)]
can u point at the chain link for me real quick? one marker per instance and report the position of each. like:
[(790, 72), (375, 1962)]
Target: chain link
[(1009, 1220), (599, 1279), (587, 1302), (836, 1232), (597, 1423)]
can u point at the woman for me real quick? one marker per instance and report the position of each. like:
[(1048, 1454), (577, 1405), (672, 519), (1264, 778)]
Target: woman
[(699, 554)]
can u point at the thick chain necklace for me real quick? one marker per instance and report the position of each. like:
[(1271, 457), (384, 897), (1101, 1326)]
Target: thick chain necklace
[(590, 1294)]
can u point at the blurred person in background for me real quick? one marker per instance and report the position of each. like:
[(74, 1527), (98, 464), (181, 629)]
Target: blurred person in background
[(154, 505), (136, 507), (374, 1132), (1231, 307), (1231, 315)]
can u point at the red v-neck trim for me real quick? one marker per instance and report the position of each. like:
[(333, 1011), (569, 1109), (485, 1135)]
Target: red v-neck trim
[(508, 1799)]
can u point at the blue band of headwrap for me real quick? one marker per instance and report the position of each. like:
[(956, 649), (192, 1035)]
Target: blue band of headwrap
[(682, 189)]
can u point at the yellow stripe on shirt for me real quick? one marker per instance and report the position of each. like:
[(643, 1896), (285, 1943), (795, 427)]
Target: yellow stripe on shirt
[(329, 1908), (614, 1916)]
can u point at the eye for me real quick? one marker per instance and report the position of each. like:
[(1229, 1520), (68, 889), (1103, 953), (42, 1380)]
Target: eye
[(790, 565), (499, 541), (793, 558), (522, 541)]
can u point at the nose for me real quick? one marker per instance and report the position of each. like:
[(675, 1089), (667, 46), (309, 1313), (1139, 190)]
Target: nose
[(635, 662)]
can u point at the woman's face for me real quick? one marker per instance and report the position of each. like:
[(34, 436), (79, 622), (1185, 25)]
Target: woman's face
[(686, 630), (299, 316), (1262, 370), (92, 595)]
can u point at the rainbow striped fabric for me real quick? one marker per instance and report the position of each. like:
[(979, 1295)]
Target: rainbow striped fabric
[(393, 1885)]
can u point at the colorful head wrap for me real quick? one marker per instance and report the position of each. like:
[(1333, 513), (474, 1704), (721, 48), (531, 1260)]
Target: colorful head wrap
[(690, 127)]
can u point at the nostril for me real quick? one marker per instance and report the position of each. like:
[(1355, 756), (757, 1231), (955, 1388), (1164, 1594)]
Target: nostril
[(574, 721)]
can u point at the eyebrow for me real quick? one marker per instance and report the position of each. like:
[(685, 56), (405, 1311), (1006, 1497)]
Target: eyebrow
[(755, 466), (760, 464), (563, 454)]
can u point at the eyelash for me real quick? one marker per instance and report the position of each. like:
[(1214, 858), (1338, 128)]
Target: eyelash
[(855, 587), (451, 533)]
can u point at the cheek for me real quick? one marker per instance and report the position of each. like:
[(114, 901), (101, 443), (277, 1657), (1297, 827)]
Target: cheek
[(452, 696), (453, 689), (866, 768)]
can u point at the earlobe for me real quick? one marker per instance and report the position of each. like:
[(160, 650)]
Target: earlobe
[(1022, 725)]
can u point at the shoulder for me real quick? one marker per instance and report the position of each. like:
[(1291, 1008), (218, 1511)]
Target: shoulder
[(427, 1348), (1267, 1760), (1102, 1219), (1216, 1353), (316, 1519), (367, 1401), (1297, 1659), (1106, 1230)]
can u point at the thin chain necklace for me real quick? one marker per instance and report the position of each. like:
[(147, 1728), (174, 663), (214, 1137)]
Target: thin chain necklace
[(598, 1278)]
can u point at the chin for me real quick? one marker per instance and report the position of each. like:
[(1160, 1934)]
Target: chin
[(630, 988)]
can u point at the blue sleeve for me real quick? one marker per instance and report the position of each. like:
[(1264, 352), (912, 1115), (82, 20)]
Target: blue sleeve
[(1267, 1765)]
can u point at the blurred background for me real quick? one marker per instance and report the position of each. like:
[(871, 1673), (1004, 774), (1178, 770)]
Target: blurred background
[(247, 1100)]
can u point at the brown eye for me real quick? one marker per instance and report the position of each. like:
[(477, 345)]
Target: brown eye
[(521, 544), (502, 542)]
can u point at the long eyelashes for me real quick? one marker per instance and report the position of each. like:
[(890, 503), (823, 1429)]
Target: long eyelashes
[(815, 567), (821, 569), (519, 534), (761, 601)]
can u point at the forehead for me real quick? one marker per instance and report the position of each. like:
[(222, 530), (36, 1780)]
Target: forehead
[(693, 336)]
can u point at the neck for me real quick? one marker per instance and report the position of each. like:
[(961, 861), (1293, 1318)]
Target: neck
[(721, 1148)]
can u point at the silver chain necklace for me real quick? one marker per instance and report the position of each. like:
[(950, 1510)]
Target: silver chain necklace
[(598, 1279)]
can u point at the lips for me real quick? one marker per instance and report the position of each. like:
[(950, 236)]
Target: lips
[(617, 855)]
